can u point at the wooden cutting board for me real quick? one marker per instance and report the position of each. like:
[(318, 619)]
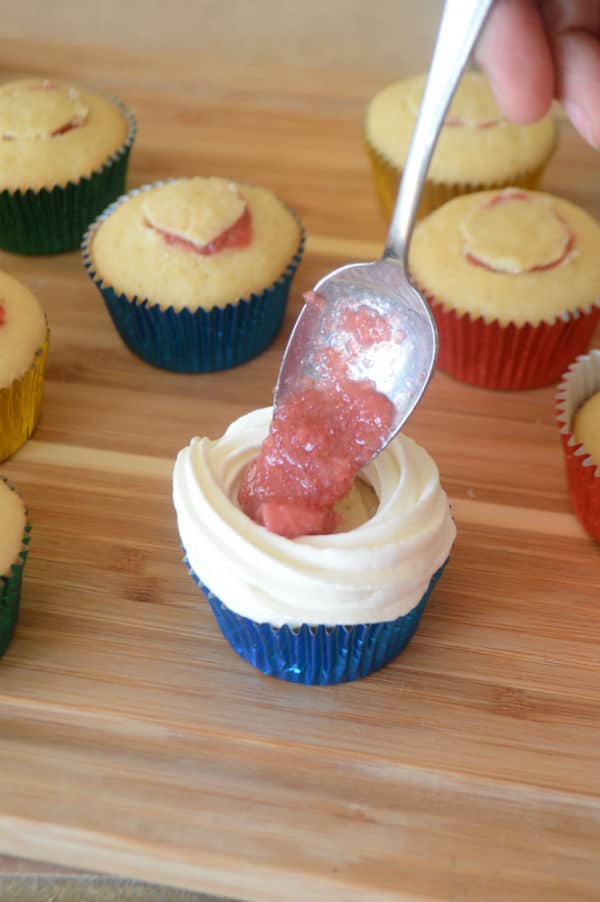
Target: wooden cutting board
[(132, 739)]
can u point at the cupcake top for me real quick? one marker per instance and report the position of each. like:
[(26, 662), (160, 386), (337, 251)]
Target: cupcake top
[(197, 242), (512, 256), (373, 571), (12, 527), (53, 133), (476, 145), (23, 329), (586, 427)]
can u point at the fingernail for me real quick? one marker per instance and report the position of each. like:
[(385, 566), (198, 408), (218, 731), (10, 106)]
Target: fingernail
[(581, 121)]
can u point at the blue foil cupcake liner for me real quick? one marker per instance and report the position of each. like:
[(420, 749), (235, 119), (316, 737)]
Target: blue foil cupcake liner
[(10, 591), (199, 341), (53, 220), (317, 655)]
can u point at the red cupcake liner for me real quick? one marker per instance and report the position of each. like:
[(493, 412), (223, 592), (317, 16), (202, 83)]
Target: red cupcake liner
[(583, 477), (510, 357)]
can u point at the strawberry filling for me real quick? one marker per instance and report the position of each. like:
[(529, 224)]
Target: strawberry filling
[(236, 236), (367, 326), (67, 127), (2, 315), (458, 122), (321, 435)]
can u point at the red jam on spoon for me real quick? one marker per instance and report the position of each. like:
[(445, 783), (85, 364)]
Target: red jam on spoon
[(320, 437)]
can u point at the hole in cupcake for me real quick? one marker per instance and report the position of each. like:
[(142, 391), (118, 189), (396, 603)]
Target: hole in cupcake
[(357, 507), (237, 236), (2, 315), (40, 111), (202, 215), (517, 232)]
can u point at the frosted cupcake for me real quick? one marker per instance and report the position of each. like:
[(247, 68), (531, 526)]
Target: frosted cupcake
[(477, 148), (14, 540), (23, 350), (196, 272), (578, 407), (513, 279), (316, 609), (63, 158)]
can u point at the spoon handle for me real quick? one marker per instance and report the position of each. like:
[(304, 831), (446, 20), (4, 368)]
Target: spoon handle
[(461, 23)]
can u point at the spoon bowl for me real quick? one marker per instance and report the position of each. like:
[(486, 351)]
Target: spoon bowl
[(399, 365), (396, 354)]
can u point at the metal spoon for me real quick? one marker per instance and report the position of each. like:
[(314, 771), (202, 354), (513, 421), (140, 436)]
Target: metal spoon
[(401, 367)]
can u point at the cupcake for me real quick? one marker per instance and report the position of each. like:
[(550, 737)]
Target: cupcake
[(195, 272), (513, 279), (23, 350), (578, 406), (316, 609), (63, 158), (14, 539), (477, 148)]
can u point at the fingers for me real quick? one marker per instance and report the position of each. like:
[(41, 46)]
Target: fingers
[(574, 30), (515, 54)]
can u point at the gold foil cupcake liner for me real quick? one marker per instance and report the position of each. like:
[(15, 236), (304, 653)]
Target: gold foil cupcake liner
[(387, 175), (21, 404)]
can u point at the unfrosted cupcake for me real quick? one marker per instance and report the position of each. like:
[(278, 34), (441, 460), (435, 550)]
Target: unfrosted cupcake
[(195, 272), (14, 541), (63, 158), (513, 279), (23, 350), (316, 609), (578, 408), (477, 148)]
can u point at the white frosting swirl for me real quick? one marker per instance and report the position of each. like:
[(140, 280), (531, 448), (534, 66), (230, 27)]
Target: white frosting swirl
[(373, 573)]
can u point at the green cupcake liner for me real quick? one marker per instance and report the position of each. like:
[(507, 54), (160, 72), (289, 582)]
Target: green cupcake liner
[(10, 591), (53, 220)]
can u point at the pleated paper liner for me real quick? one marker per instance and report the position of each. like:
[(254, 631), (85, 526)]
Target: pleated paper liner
[(317, 655), (579, 383), (510, 357), (21, 404), (195, 341), (10, 591), (53, 220), (386, 177)]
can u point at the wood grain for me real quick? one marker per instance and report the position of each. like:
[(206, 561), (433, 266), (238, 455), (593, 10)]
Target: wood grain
[(132, 739)]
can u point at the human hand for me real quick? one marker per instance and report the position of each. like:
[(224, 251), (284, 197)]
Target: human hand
[(534, 51)]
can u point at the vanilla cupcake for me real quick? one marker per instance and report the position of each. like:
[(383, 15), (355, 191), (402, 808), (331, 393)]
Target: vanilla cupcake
[(14, 541), (316, 609), (513, 280), (63, 158), (477, 148), (23, 350), (195, 272), (578, 409)]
